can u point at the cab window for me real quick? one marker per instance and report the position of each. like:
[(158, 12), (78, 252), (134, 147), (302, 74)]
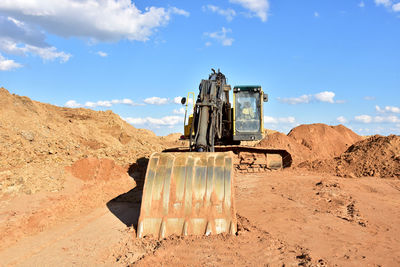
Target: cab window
[(247, 112)]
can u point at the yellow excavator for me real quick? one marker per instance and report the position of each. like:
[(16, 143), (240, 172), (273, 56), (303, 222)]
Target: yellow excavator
[(189, 190)]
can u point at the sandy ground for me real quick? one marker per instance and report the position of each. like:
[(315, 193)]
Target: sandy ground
[(285, 218), (69, 196)]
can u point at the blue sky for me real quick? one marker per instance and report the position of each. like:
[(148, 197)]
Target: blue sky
[(332, 61)]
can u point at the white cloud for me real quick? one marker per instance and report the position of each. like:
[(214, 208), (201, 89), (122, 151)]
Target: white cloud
[(296, 100), (396, 7), (102, 54), (178, 11), (389, 4), (257, 8), (377, 119), (18, 38), (72, 104), (135, 121), (387, 109), (341, 119), (105, 20), (46, 53), (180, 111), (325, 96), (268, 119), (165, 121), (98, 104), (363, 118), (316, 14), (385, 3), (361, 4), (388, 119), (228, 13), (177, 100), (155, 122), (155, 100), (125, 101), (380, 130), (8, 64), (101, 103), (221, 36), (20, 32), (273, 120), (208, 44)]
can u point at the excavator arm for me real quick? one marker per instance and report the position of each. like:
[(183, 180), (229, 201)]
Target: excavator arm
[(208, 113)]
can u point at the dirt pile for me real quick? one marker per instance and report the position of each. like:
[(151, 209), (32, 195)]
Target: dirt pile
[(312, 142), (323, 140), (173, 140), (279, 140), (38, 140), (376, 156)]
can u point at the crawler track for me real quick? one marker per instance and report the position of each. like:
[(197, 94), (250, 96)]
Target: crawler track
[(252, 159)]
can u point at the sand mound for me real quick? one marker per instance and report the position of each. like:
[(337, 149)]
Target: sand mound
[(173, 139), (376, 156), (323, 140), (37, 142), (281, 141), (311, 142)]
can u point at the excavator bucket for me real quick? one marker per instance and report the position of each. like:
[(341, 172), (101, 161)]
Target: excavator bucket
[(188, 194)]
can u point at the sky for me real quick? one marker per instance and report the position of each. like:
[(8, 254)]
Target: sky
[(331, 61)]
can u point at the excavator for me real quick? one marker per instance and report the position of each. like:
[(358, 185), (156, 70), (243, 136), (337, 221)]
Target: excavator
[(190, 190)]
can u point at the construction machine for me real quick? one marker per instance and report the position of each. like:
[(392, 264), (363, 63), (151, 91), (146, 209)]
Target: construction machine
[(189, 190)]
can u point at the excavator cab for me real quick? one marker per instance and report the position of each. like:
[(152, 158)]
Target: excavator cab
[(247, 116)]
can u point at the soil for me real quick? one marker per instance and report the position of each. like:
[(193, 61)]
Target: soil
[(376, 156), (297, 220), (279, 140), (72, 180), (323, 140), (312, 142), (37, 142)]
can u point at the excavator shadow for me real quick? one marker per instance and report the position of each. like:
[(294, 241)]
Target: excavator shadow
[(126, 207)]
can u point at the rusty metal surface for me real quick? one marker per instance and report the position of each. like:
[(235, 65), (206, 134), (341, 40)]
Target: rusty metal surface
[(250, 157), (188, 194)]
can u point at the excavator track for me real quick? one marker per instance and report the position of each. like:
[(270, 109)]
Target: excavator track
[(188, 193), (252, 159)]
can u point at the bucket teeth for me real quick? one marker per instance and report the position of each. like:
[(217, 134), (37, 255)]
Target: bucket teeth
[(163, 230), (208, 229), (185, 229), (188, 194), (140, 230), (232, 228)]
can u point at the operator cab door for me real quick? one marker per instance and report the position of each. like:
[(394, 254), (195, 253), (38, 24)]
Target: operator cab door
[(247, 113)]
